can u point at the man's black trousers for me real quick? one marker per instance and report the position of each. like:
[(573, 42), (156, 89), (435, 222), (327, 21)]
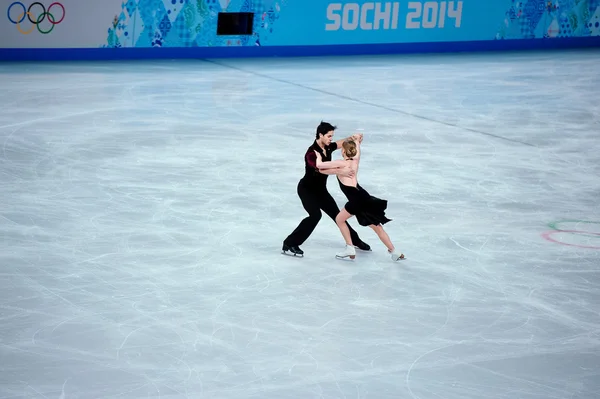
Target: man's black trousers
[(314, 200)]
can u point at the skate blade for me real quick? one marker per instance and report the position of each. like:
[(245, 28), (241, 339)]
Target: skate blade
[(364, 250), (293, 255), (351, 257)]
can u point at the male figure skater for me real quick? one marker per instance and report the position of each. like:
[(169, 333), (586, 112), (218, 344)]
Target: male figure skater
[(312, 190)]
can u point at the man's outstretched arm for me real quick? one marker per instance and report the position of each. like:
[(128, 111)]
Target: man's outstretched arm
[(311, 159), (337, 171)]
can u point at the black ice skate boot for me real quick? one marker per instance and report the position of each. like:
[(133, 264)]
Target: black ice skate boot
[(363, 246), (293, 250)]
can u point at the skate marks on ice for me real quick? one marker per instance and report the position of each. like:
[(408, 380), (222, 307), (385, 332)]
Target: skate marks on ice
[(142, 261), (368, 103)]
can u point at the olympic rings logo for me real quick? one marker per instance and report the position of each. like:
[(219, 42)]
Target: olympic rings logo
[(36, 21)]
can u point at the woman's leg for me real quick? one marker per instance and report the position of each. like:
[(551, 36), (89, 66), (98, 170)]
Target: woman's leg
[(385, 239), (383, 236), (329, 206), (340, 220)]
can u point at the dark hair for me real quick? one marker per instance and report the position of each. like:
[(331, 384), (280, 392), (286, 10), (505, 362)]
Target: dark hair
[(324, 128)]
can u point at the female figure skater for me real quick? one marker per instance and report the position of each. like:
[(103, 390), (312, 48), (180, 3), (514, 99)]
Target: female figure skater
[(369, 210)]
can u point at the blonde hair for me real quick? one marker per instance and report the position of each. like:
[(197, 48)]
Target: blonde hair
[(349, 147)]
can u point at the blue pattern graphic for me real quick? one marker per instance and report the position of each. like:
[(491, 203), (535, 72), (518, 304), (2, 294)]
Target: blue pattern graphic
[(193, 23), (187, 23), (537, 19)]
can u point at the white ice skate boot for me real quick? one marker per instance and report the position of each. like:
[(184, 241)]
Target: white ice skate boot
[(349, 252), (395, 255)]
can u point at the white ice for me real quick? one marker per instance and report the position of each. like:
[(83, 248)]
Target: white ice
[(143, 206)]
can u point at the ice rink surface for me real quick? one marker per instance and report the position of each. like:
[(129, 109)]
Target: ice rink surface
[(144, 204)]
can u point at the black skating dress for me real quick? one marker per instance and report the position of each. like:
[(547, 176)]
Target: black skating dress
[(367, 208)]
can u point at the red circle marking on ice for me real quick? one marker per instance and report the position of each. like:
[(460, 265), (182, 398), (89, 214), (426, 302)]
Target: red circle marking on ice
[(548, 236)]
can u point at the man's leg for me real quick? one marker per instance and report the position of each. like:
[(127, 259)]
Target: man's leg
[(308, 224), (329, 206)]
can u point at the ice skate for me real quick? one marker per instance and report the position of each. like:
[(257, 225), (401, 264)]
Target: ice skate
[(293, 250), (349, 252), (363, 246), (395, 255)]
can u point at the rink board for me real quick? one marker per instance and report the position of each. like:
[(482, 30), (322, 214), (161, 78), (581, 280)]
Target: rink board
[(113, 29)]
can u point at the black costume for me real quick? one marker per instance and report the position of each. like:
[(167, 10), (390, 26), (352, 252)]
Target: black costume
[(367, 208), (312, 190)]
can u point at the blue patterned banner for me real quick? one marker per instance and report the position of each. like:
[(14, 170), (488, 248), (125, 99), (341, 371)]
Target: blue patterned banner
[(176, 23), (193, 23)]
